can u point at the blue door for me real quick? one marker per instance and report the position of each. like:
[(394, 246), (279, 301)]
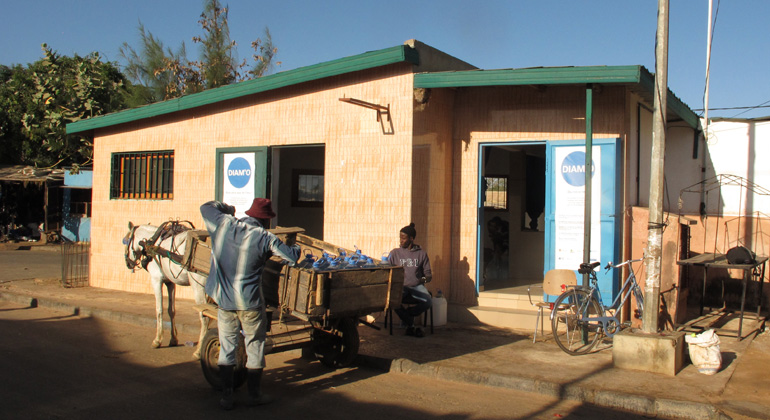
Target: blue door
[(564, 208)]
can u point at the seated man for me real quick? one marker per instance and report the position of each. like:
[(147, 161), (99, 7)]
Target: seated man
[(416, 273)]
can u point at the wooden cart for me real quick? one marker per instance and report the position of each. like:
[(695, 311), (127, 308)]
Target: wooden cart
[(319, 310)]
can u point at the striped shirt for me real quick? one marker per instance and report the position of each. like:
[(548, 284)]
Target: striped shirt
[(239, 250)]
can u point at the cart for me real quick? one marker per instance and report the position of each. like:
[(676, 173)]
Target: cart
[(306, 309)]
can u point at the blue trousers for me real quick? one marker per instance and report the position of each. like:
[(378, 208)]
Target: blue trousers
[(419, 300), (253, 324)]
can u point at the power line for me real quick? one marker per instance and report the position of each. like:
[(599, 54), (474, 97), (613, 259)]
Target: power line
[(735, 107)]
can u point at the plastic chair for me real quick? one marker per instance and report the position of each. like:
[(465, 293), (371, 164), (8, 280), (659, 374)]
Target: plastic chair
[(555, 283), (427, 314)]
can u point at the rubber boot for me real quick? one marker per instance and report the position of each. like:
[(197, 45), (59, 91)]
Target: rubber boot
[(256, 396), (226, 373)]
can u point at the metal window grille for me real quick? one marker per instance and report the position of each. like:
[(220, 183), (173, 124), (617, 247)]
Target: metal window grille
[(143, 175), (76, 257), (496, 196)]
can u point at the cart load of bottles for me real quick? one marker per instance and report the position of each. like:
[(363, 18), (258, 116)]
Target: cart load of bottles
[(342, 261)]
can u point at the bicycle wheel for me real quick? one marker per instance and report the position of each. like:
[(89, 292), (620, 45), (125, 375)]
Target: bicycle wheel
[(572, 332)]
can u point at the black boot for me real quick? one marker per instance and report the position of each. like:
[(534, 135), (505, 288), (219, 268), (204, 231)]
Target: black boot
[(226, 373), (256, 396)]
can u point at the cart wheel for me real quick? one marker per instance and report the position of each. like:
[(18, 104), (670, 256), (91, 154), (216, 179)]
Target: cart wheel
[(210, 356), (337, 347)]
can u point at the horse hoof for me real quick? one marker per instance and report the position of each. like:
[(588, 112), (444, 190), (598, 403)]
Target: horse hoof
[(156, 344), (197, 355), (173, 343)]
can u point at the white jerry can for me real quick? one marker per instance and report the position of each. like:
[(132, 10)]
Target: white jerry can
[(439, 309)]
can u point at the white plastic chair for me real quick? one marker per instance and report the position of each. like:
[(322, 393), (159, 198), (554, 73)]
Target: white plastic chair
[(555, 282)]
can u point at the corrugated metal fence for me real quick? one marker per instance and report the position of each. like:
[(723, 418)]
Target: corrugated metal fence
[(75, 261)]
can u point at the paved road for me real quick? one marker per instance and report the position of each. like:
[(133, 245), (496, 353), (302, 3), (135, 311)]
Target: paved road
[(56, 365), (29, 264)]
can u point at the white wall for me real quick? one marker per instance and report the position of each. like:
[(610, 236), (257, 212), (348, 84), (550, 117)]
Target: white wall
[(740, 148)]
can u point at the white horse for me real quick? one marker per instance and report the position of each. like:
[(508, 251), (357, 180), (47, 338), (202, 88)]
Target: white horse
[(163, 269)]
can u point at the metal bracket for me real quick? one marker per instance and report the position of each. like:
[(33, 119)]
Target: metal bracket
[(379, 108)]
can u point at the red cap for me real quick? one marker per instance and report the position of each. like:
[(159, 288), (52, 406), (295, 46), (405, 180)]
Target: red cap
[(261, 208)]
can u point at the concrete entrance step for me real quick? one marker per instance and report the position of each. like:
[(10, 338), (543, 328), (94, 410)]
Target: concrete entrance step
[(517, 319), (508, 300)]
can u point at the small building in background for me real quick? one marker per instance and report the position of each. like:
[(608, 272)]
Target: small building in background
[(76, 205)]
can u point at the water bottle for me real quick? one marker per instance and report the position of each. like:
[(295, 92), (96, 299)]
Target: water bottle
[(322, 263), (369, 263), (307, 262)]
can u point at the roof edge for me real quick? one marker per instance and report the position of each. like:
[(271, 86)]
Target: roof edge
[(368, 60)]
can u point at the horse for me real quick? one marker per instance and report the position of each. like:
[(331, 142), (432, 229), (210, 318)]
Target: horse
[(142, 244)]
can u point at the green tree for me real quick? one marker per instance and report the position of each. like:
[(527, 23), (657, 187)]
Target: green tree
[(168, 74), (39, 101), (15, 84)]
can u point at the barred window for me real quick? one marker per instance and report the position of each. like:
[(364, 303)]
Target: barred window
[(496, 192), (143, 175)]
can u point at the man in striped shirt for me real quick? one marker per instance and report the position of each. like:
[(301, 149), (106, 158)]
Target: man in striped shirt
[(239, 250)]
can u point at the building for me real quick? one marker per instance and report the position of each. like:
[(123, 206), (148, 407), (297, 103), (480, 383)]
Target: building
[(354, 149)]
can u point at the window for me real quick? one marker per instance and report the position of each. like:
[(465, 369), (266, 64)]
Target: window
[(143, 175), (496, 192), (307, 188)]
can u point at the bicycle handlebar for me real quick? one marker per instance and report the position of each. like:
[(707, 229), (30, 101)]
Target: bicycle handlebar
[(611, 265)]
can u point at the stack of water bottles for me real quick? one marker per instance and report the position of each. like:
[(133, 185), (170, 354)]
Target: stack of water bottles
[(342, 261)]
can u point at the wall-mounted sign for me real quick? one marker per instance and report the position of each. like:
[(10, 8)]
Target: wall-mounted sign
[(569, 206), (238, 185)]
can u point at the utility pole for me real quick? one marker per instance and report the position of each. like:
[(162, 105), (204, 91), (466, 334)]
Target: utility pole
[(652, 260)]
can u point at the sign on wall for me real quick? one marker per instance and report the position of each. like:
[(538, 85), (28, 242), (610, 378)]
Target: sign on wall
[(238, 177), (569, 205)]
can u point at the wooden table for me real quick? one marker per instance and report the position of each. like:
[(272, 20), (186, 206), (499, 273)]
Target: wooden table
[(712, 260)]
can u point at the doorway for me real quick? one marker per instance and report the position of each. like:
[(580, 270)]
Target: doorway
[(511, 216), (297, 187)]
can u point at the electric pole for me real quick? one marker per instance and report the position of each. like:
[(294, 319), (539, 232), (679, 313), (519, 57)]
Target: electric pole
[(652, 260)]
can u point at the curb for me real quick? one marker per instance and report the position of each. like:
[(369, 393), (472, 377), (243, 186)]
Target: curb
[(648, 406), (90, 312)]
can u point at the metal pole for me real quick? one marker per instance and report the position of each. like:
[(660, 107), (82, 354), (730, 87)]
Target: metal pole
[(588, 171), (652, 260)]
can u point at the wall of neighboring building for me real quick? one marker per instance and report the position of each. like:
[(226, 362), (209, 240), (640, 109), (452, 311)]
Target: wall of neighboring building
[(737, 147), (367, 165)]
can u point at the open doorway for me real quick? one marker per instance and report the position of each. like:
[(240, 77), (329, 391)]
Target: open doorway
[(297, 186), (512, 216)]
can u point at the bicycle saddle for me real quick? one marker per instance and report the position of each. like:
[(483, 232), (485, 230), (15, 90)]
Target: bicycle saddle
[(586, 268)]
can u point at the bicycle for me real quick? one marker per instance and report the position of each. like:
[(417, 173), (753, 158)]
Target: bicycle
[(579, 318)]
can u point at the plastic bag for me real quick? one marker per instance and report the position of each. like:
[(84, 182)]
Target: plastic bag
[(704, 351)]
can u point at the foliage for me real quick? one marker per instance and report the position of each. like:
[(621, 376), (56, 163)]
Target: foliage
[(39, 101), (168, 74)]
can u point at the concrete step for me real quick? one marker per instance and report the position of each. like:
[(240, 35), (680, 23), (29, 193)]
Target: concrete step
[(507, 300), (517, 319)]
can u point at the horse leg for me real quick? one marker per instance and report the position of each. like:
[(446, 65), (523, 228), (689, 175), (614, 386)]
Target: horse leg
[(157, 287), (200, 298), (172, 312)]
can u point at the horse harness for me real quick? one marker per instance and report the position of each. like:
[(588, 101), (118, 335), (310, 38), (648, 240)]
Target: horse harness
[(152, 251)]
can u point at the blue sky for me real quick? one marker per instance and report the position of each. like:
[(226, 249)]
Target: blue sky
[(487, 34)]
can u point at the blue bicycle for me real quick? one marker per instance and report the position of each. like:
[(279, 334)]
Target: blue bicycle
[(579, 318)]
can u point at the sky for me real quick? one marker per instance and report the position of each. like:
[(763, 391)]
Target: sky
[(488, 34)]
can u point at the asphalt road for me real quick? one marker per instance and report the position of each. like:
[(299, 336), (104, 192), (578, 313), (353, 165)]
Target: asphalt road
[(59, 366)]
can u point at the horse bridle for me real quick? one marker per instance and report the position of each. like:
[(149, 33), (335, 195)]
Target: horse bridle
[(129, 242)]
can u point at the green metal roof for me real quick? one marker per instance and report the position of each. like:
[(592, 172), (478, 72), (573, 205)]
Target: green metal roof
[(640, 80), (368, 60)]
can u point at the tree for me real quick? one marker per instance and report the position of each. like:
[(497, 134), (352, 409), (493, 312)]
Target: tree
[(39, 101), (169, 74)]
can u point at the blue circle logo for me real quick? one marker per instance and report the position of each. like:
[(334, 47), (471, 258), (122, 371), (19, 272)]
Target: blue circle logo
[(573, 169), (239, 172)]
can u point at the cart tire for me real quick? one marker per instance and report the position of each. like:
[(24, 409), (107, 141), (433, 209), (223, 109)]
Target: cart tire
[(338, 347), (210, 356)]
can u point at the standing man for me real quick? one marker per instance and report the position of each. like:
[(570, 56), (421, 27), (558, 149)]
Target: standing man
[(239, 250), (416, 273)]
